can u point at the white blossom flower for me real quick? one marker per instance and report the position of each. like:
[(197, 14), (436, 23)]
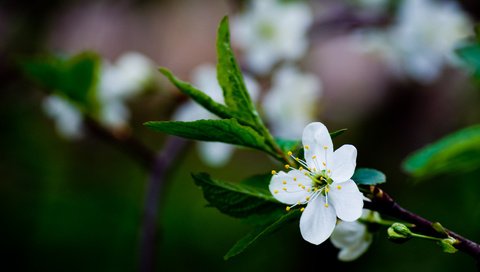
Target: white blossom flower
[(414, 46), (322, 183), (287, 117), (426, 34), (68, 119), (352, 238), (271, 31), (204, 77), (120, 82)]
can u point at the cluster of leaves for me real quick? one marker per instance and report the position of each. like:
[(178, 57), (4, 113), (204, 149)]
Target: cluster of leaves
[(240, 124), (74, 78)]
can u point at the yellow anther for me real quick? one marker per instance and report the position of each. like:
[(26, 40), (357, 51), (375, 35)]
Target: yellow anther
[(325, 147), (339, 187), (306, 174), (329, 171), (285, 189), (289, 153), (302, 209), (275, 191), (314, 157), (294, 179), (307, 147), (327, 189), (301, 168), (303, 187), (287, 208), (307, 198), (298, 203), (287, 166), (324, 164), (297, 158), (314, 169), (284, 182), (274, 172), (326, 205), (309, 190), (316, 189)]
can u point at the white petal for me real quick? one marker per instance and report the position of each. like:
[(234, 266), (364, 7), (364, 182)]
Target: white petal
[(347, 200), (317, 221), (317, 144), (287, 187), (347, 234), (215, 154), (343, 163), (351, 253)]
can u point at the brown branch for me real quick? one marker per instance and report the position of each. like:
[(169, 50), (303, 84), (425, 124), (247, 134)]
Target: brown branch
[(385, 204), (129, 145), (163, 163)]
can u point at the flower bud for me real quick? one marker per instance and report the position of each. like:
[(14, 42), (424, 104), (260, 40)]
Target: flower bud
[(399, 233)]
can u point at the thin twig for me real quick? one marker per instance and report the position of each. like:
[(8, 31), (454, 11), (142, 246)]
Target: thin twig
[(384, 203), (163, 162), (130, 145)]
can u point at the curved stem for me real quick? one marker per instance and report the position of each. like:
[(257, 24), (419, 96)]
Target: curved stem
[(384, 203)]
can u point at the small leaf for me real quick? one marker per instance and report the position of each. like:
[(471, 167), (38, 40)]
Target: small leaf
[(226, 130), (237, 200), (368, 176), (291, 145), (337, 133), (260, 232), (230, 77), (75, 78), (200, 97), (470, 54), (459, 151)]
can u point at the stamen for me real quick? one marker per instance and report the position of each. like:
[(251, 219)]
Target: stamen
[(287, 208), (275, 191), (284, 188), (287, 166), (289, 153), (302, 209), (284, 182), (307, 147), (274, 172), (339, 187)]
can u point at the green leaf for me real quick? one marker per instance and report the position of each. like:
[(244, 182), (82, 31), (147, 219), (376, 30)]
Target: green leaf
[(75, 78), (457, 152), (237, 200), (368, 176), (226, 130), (200, 97), (470, 54), (337, 133), (260, 232), (230, 77)]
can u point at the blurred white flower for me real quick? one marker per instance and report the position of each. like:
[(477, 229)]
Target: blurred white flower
[(270, 31), (120, 82), (68, 119), (375, 5), (422, 40), (204, 77), (352, 238), (292, 102), (426, 34)]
